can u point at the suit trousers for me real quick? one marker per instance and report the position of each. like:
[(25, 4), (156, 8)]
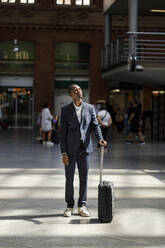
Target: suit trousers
[(81, 158)]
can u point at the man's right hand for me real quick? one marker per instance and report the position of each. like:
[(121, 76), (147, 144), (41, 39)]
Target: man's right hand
[(65, 159)]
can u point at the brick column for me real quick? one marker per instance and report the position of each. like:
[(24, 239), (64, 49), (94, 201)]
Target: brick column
[(44, 72), (98, 86)]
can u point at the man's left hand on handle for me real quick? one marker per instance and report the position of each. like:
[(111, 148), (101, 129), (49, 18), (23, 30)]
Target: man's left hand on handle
[(103, 143)]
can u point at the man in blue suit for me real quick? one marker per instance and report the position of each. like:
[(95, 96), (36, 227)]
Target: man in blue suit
[(78, 119)]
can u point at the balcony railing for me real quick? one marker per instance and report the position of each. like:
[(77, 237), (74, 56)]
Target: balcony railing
[(145, 50), (8, 66), (72, 67)]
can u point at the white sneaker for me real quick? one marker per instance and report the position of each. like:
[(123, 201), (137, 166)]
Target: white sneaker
[(44, 142), (142, 143), (83, 211), (49, 143), (68, 212)]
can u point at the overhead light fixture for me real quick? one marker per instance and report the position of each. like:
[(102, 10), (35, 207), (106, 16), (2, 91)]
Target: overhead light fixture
[(157, 10), (16, 48), (157, 92), (116, 90)]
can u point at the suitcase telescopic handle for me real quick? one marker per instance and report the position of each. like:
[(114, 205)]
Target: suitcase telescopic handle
[(101, 162)]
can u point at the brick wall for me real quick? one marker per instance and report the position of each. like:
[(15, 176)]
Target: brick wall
[(46, 24)]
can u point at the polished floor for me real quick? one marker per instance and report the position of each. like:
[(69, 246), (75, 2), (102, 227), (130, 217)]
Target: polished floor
[(32, 196)]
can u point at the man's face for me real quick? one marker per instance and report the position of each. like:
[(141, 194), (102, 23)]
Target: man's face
[(76, 93)]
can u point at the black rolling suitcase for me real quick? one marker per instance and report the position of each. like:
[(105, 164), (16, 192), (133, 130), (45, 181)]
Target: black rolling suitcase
[(105, 196)]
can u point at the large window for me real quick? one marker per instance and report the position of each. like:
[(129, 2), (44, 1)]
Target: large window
[(27, 1), (20, 1), (82, 2), (7, 1), (21, 61), (63, 2), (76, 2), (72, 58)]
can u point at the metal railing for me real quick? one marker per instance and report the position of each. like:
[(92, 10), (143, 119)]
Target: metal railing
[(72, 67), (145, 50)]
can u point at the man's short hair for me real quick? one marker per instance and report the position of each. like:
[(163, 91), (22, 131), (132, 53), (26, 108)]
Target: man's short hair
[(70, 88)]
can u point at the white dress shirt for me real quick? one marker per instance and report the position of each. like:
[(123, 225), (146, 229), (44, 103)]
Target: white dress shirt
[(78, 112)]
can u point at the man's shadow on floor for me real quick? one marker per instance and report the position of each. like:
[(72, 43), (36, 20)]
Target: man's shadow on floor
[(30, 218), (35, 219)]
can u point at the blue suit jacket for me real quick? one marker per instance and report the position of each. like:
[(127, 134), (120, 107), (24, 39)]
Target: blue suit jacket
[(72, 132)]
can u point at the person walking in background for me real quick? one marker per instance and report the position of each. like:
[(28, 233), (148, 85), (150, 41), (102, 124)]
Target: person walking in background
[(55, 131), (0, 115), (127, 117), (56, 122), (3, 123), (105, 120), (78, 119), (134, 122), (119, 119), (39, 138), (46, 125)]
